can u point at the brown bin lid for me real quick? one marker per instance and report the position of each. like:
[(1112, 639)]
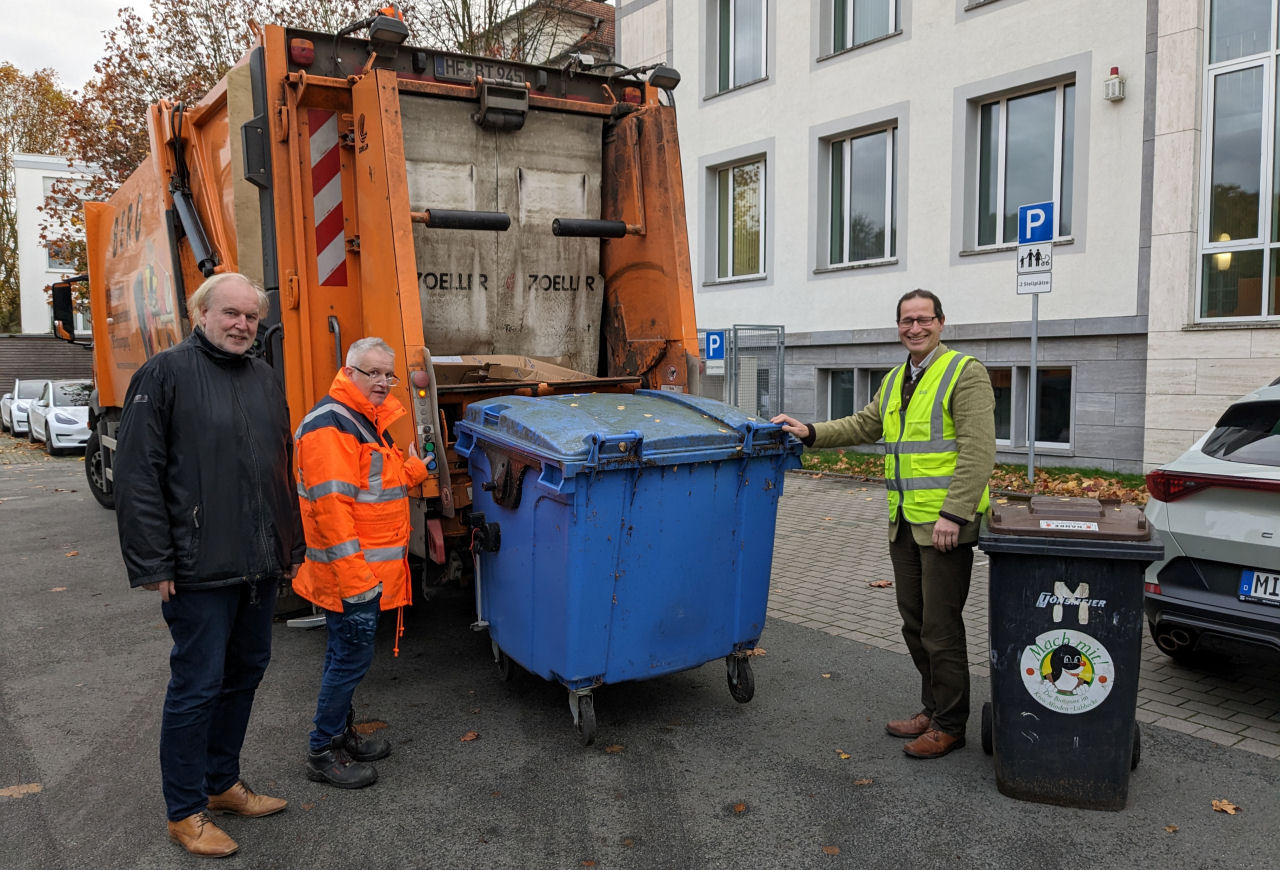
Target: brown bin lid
[(1049, 516)]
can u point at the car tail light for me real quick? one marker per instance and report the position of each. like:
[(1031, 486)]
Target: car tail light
[(1168, 486), (302, 52), (1151, 588)]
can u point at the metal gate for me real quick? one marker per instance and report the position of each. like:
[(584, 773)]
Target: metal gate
[(751, 375)]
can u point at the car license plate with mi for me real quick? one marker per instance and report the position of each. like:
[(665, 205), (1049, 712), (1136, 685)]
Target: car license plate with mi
[(1260, 586)]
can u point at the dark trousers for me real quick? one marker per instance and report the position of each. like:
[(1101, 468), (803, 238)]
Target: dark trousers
[(347, 658), (932, 588), (221, 647)]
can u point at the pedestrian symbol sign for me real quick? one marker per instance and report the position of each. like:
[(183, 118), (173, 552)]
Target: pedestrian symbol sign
[(1035, 248)]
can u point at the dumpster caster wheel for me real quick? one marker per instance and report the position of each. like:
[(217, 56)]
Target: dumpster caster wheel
[(585, 722), (1137, 748), (503, 661), (742, 683), (988, 727)]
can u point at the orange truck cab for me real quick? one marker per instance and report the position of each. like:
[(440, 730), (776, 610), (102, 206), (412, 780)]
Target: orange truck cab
[(506, 228)]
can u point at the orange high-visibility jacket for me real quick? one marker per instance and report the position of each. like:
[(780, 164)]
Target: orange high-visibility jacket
[(353, 490)]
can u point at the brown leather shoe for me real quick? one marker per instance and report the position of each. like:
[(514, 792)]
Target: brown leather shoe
[(201, 837), (913, 727), (932, 744), (244, 801)]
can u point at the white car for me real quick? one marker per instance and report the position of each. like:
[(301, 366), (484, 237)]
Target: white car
[(25, 391), (60, 417), (1217, 507)]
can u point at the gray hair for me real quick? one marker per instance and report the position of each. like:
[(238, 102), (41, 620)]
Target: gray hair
[(361, 346), (199, 300)]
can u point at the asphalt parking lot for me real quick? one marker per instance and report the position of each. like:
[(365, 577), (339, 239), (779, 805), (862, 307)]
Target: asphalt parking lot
[(680, 776)]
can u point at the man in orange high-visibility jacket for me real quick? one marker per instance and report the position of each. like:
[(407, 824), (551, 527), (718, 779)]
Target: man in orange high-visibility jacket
[(353, 488)]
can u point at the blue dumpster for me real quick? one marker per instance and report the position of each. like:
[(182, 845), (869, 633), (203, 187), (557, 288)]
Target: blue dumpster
[(622, 536)]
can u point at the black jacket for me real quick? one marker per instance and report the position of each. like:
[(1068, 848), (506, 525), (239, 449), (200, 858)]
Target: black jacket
[(203, 470)]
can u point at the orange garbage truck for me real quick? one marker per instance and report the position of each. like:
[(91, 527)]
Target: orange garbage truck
[(506, 228)]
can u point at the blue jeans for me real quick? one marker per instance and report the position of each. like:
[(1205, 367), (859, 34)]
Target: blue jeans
[(221, 647), (347, 658)]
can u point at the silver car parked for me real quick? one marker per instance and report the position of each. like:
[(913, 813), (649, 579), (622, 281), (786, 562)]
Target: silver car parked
[(1217, 507)]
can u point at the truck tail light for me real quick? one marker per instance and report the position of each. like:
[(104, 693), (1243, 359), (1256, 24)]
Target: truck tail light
[(1169, 486)]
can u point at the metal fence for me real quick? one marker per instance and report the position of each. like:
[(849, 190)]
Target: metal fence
[(750, 377)]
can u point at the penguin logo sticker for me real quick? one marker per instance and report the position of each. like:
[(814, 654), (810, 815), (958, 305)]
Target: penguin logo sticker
[(1068, 671)]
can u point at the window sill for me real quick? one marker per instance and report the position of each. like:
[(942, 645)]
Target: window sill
[(736, 88), (872, 41), (1219, 324), (861, 264), (976, 4), (1009, 246), (737, 279)]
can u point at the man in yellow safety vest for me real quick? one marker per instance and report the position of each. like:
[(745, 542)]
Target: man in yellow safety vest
[(936, 414)]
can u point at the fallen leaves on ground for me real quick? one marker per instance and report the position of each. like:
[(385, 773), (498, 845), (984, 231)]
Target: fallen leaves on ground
[(758, 651), (840, 753), (17, 791), (613, 749), (863, 781), (308, 806), (831, 850), (1004, 477), (469, 736), (370, 727), (1225, 806), (73, 553), (58, 589), (881, 584), (826, 676), (739, 807), (1172, 829)]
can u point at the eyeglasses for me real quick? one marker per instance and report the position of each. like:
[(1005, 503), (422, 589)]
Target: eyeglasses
[(908, 322), (390, 379)]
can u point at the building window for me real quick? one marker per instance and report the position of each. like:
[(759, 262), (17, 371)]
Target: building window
[(60, 258), (740, 33), (1002, 385), (1053, 407), (1026, 149), (861, 202), (740, 220), (1240, 225), (857, 21)]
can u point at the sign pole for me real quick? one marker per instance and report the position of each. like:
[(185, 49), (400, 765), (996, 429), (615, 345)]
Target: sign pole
[(1035, 276), (1035, 392)]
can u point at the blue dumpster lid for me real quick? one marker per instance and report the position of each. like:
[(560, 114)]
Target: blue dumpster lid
[(595, 429)]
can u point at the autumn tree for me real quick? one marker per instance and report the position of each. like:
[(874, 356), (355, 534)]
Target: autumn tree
[(31, 108)]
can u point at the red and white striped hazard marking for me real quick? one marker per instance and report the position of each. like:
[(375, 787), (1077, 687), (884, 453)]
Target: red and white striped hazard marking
[(326, 191)]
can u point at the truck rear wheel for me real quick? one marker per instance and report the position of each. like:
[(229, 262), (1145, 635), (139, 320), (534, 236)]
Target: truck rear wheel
[(96, 472)]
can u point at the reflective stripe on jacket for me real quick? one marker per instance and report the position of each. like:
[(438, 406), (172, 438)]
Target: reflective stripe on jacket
[(920, 445), (353, 488)]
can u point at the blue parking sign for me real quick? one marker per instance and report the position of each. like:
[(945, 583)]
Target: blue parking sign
[(715, 345), (1035, 223)]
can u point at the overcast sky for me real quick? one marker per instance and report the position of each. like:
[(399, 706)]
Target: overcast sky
[(66, 35)]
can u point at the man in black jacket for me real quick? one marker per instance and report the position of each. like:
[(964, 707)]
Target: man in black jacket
[(208, 515)]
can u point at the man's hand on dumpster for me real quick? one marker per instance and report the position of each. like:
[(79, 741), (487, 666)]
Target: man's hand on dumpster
[(792, 425), (945, 535)]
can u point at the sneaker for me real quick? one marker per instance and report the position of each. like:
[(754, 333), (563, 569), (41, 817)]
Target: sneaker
[(364, 747), (336, 767)]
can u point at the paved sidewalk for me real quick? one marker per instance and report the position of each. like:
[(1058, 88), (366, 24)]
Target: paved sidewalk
[(832, 542)]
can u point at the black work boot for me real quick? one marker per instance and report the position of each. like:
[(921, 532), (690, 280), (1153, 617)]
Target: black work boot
[(363, 747), (335, 766)]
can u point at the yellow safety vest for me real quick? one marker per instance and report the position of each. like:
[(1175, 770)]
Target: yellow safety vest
[(920, 446)]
